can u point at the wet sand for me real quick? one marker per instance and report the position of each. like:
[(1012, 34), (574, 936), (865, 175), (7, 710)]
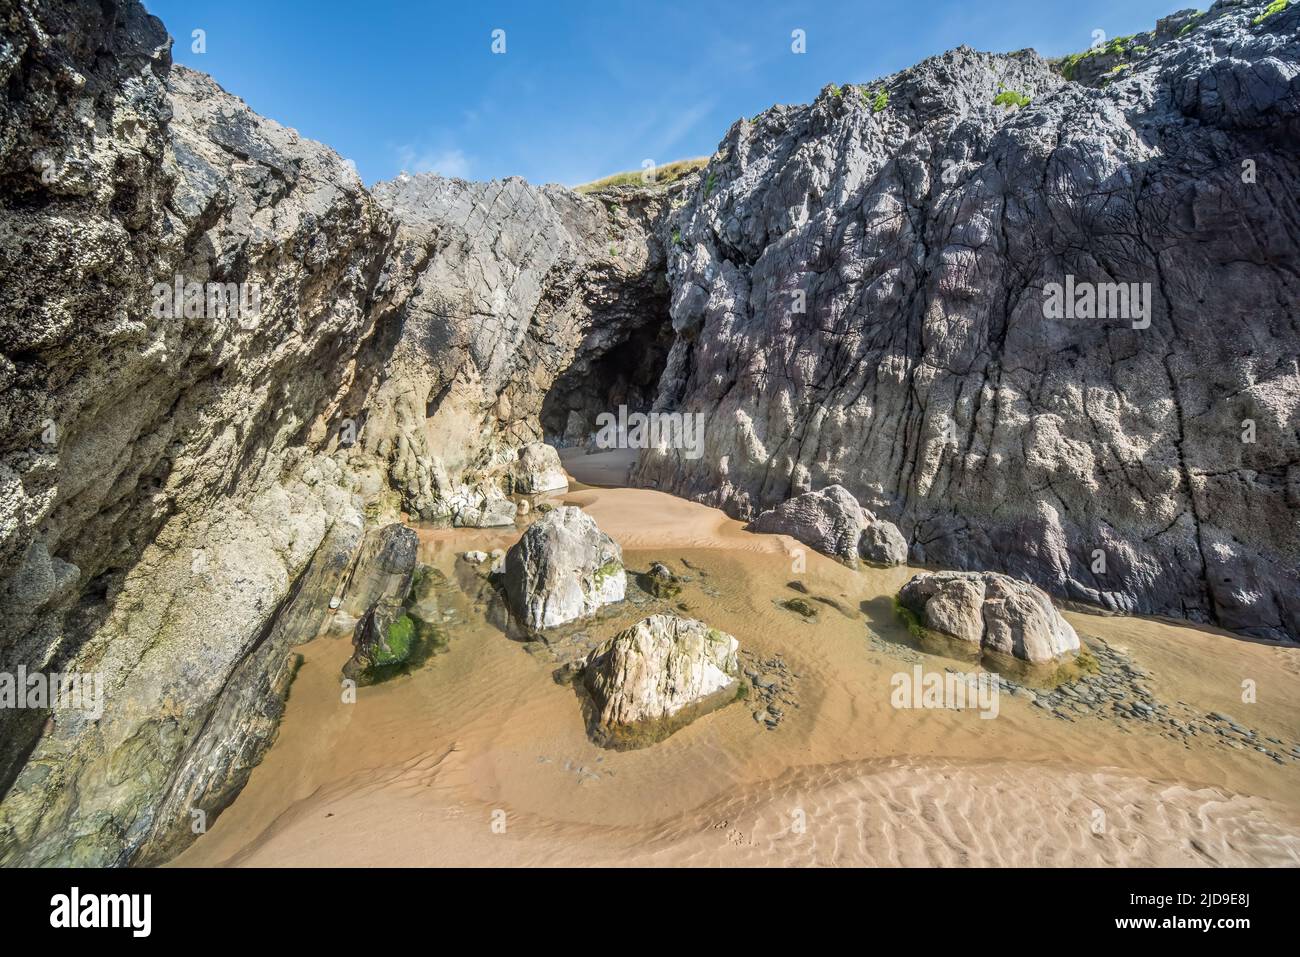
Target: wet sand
[(481, 757)]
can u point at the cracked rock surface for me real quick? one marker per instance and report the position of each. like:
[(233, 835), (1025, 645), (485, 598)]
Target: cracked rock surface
[(562, 568), (663, 667), (858, 299), (854, 291)]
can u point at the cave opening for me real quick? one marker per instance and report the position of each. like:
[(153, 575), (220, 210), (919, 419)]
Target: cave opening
[(620, 365)]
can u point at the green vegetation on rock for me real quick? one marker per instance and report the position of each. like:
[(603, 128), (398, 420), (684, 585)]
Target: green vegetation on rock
[(877, 102), (800, 607), (668, 173), (1277, 6), (1010, 98), (910, 620), (396, 646), (611, 567)]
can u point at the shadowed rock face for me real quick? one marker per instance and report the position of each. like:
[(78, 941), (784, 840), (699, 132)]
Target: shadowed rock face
[(858, 297)]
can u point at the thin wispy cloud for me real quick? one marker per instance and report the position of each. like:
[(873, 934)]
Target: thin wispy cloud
[(444, 162)]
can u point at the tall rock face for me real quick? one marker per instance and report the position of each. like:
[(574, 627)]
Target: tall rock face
[(184, 485), (862, 295), (159, 492), (494, 290), (852, 293)]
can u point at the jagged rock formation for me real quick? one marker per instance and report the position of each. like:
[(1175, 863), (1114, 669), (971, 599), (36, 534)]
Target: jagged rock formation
[(496, 288), (852, 292), (991, 611), (156, 505), (562, 568), (858, 297), (656, 676)]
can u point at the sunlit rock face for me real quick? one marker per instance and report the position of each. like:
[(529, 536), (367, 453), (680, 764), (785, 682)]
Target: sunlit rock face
[(492, 291), (991, 611), (652, 678), (829, 520), (863, 295), (563, 568)]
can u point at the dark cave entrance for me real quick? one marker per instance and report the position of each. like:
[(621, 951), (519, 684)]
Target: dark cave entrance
[(614, 366)]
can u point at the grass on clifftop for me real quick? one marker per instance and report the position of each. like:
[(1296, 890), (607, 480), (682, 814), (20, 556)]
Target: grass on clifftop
[(1277, 6), (668, 173)]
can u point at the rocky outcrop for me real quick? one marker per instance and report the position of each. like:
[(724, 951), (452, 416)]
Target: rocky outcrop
[(162, 469), (656, 676), (492, 290), (158, 494), (991, 611), (854, 296), (862, 295), (399, 631), (832, 522), (829, 520), (563, 568)]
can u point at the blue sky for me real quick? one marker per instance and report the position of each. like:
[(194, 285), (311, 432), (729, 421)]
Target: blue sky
[(584, 89)]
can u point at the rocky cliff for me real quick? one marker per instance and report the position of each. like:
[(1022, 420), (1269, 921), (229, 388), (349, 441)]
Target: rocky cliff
[(852, 293), (183, 483), (154, 511), (863, 295)]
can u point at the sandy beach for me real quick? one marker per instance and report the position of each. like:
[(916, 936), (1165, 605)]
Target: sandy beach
[(482, 758)]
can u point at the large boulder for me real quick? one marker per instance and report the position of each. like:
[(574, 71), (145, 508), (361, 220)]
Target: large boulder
[(538, 469), (990, 610), (563, 568), (829, 520), (656, 676), (881, 542)]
